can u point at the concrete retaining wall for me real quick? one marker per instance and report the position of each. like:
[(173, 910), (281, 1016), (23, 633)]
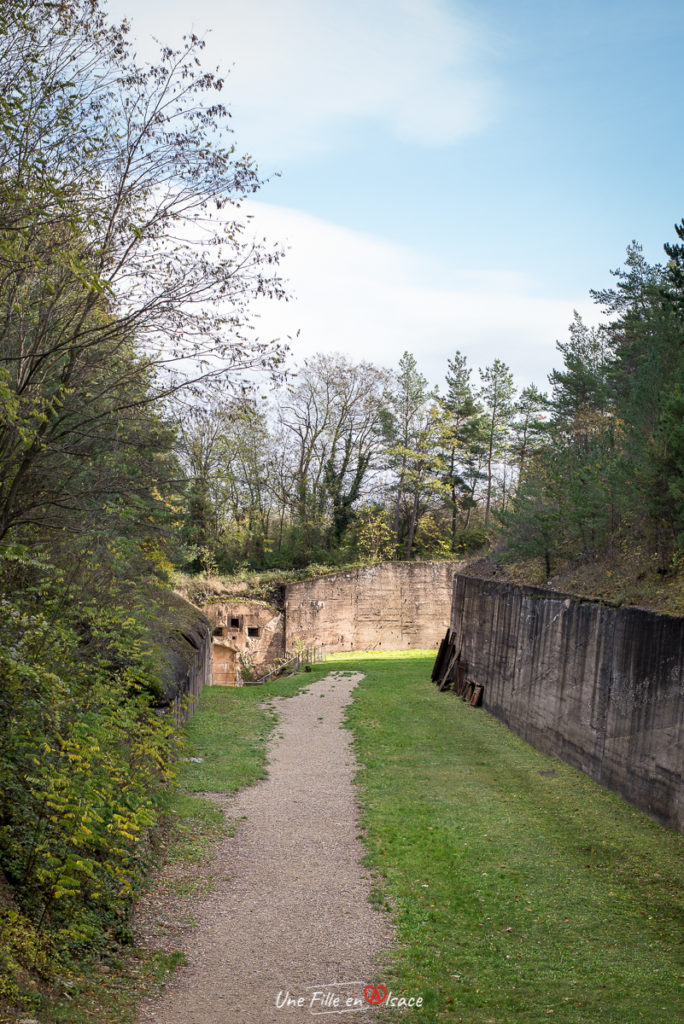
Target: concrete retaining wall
[(198, 674), (187, 665), (392, 606), (598, 686)]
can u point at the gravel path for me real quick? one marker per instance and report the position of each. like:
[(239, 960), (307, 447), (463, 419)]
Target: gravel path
[(287, 934)]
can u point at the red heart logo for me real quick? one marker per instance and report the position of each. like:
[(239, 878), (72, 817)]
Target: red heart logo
[(375, 994)]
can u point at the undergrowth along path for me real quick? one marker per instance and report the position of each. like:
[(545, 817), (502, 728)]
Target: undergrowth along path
[(289, 912)]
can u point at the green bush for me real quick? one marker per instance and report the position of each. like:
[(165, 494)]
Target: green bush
[(83, 756), (472, 539)]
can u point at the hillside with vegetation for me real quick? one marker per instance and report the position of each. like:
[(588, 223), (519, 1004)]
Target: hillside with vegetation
[(148, 437), (118, 304)]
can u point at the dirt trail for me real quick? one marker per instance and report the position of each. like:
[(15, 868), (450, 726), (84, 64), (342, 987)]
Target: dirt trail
[(289, 920)]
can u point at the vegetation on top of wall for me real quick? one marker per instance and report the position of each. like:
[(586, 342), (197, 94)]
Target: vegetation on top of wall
[(247, 585), (623, 578), (253, 585), (630, 577)]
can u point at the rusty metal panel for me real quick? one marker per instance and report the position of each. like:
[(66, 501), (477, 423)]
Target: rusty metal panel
[(476, 698), (459, 671)]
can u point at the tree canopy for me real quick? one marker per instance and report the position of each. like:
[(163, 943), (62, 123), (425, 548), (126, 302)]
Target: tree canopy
[(126, 274)]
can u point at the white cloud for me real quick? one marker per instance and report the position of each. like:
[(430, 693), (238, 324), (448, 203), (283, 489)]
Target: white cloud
[(305, 69), (371, 299)]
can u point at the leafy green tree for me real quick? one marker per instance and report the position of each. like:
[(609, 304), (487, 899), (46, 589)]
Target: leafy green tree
[(83, 755), (223, 448), (424, 470), (647, 343), (125, 278), (528, 429), (374, 539), (355, 442), (432, 536), (248, 487), (609, 471), (115, 265), (581, 393), (535, 524), (330, 425), (565, 502)]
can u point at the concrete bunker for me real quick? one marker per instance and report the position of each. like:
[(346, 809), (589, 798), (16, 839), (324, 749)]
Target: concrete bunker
[(390, 606), (248, 639)]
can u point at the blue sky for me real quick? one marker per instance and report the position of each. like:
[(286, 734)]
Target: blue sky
[(452, 175)]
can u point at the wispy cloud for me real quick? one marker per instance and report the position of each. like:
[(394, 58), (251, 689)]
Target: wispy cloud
[(372, 299), (305, 70)]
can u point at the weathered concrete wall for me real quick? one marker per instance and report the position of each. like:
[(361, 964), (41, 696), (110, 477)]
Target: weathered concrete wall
[(187, 660), (246, 633), (198, 675), (392, 606), (598, 686)]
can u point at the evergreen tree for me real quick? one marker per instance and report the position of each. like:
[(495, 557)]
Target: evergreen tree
[(529, 428), (463, 426), (610, 471), (406, 421), (647, 374), (497, 393)]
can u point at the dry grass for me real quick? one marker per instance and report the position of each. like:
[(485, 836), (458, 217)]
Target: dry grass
[(630, 577)]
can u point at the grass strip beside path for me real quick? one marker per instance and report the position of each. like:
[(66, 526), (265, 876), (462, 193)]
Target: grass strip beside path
[(522, 891)]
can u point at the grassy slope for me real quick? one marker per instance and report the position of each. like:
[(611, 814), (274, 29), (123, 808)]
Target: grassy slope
[(518, 896), (630, 577)]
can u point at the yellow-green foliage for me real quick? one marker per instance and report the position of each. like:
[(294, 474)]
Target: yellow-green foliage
[(83, 757), (21, 950)]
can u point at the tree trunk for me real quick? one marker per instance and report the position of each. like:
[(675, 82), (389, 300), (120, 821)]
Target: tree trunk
[(412, 524), (397, 509)]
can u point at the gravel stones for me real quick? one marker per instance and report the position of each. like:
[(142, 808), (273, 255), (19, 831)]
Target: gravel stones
[(289, 914)]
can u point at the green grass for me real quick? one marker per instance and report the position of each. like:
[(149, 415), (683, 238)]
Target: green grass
[(517, 896), (229, 732)]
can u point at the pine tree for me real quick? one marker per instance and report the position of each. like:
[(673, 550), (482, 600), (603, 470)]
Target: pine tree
[(528, 427), (462, 443), (406, 420), (497, 393)]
